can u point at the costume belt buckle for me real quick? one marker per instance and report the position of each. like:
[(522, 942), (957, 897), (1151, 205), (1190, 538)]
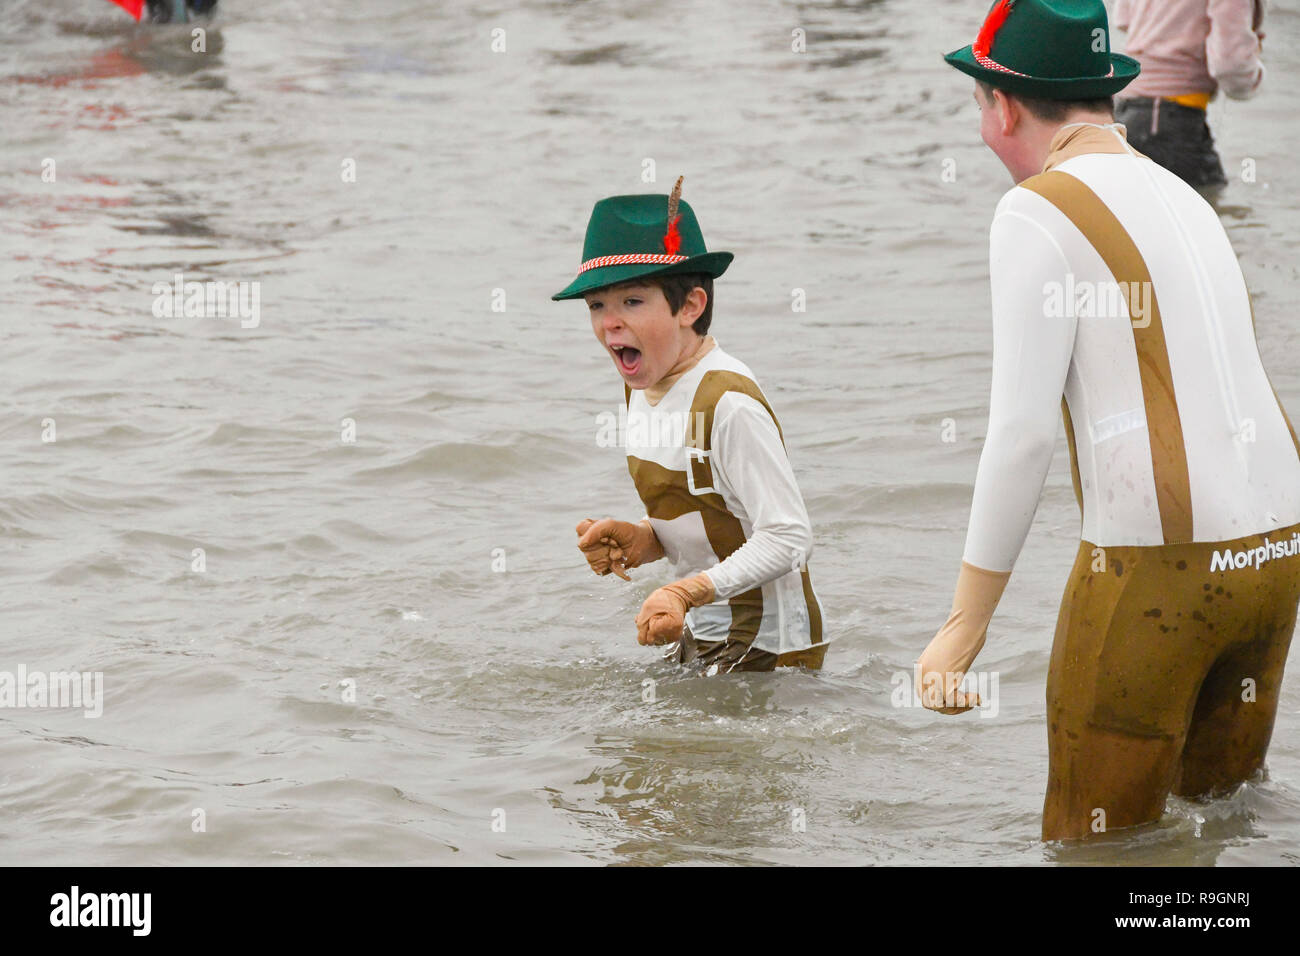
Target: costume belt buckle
[(693, 455)]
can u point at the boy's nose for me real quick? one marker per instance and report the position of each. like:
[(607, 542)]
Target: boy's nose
[(612, 321)]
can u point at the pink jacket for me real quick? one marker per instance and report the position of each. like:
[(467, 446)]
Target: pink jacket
[(1193, 46)]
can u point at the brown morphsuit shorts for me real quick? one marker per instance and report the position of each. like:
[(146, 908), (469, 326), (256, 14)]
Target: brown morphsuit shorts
[(1183, 642)]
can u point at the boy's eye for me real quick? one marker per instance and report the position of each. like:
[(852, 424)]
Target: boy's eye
[(632, 300), (593, 306)]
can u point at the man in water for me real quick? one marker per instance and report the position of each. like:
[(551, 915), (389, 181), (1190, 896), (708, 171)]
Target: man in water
[(1189, 50), (160, 11), (1117, 297)]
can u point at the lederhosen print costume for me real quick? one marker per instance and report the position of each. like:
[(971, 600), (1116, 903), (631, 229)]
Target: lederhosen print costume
[(1185, 466), (709, 463), (1177, 617)]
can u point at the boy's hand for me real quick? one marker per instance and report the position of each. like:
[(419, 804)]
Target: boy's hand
[(610, 545), (663, 615)]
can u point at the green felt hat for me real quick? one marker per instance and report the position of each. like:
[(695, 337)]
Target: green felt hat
[(1048, 49), (629, 237)]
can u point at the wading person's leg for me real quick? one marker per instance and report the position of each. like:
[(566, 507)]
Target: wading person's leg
[(1235, 709), (1099, 780), (1164, 678), (1125, 669), (1229, 736)]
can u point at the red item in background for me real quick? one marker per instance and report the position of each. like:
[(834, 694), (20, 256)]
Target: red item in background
[(133, 7)]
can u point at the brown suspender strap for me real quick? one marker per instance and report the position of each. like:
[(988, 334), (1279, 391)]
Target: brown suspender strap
[(661, 489), (1105, 234), (699, 426), (1074, 454)]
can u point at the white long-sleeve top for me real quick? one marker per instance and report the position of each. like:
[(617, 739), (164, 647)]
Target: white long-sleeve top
[(1176, 433), (710, 465)]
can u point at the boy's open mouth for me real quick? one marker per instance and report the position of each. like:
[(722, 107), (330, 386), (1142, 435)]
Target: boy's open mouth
[(628, 358)]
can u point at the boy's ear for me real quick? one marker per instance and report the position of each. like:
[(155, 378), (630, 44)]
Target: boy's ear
[(693, 307)]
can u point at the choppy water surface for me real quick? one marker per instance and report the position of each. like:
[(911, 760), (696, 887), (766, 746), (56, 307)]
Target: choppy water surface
[(520, 690)]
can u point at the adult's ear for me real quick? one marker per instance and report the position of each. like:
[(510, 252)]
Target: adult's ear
[(1008, 112)]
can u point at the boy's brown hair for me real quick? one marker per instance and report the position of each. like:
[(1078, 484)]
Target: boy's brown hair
[(675, 289)]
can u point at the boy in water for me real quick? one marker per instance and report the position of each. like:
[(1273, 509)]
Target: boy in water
[(704, 450)]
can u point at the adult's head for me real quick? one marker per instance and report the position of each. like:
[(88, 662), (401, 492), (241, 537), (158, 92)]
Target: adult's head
[(1020, 129), (1038, 65)]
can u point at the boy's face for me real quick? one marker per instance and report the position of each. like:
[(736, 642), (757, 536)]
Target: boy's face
[(640, 332)]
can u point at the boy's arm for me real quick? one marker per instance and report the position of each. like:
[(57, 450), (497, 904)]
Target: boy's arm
[(749, 461)]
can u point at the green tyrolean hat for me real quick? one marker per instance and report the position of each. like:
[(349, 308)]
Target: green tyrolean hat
[(1048, 49), (629, 237)]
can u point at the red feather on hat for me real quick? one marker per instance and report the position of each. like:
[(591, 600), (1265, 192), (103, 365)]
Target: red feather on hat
[(672, 239), (997, 16)]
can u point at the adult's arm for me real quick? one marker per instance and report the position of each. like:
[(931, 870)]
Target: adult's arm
[(1031, 358), (1232, 50)]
